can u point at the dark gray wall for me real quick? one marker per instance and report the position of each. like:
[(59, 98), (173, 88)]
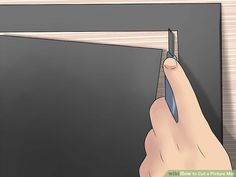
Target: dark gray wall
[(199, 32)]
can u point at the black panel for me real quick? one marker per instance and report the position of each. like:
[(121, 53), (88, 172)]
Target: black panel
[(74, 109)]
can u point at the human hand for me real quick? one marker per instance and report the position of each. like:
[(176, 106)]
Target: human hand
[(187, 145)]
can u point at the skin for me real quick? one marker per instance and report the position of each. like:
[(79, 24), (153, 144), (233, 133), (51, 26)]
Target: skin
[(187, 145)]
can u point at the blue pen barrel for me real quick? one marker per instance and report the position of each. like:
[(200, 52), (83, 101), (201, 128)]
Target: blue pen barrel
[(169, 96)]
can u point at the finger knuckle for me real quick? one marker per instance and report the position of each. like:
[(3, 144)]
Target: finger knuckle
[(149, 140), (143, 169), (157, 106)]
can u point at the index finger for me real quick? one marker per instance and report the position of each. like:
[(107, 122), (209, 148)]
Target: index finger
[(185, 98)]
